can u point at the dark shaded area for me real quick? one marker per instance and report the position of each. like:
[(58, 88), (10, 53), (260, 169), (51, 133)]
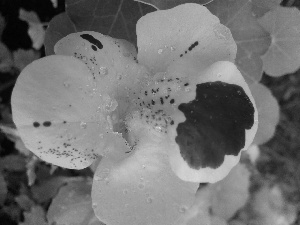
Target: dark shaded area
[(215, 124), (92, 40)]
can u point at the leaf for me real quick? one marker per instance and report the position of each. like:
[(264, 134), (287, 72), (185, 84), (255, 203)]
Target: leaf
[(252, 40), (35, 217), (271, 208), (2, 25), (24, 202), (6, 60), (47, 189), (260, 7), (116, 18), (268, 113), (59, 27), (13, 163), (24, 57), (36, 30), (283, 56), (31, 164), (3, 189), (73, 205), (168, 4), (230, 194), (12, 134)]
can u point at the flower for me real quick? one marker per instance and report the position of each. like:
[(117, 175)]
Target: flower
[(177, 113)]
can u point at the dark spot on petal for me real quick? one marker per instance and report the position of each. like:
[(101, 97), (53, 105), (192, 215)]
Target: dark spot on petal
[(47, 124), (217, 126), (161, 100), (36, 124), (92, 40), (193, 46), (94, 47)]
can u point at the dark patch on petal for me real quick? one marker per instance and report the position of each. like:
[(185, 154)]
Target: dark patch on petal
[(94, 47), (215, 124), (36, 124), (92, 40), (193, 46), (47, 124)]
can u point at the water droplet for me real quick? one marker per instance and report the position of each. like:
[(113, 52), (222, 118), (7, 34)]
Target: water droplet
[(101, 135), (66, 84), (182, 209), (173, 48), (77, 47), (103, 71), (119, 76), (83, 125), (187, 89), (149, 200), (219, 75), (205, 95), (94, 205), (144, 166), (255, 121), (239, 92), (125, 191), (141, 186), (160, 51)]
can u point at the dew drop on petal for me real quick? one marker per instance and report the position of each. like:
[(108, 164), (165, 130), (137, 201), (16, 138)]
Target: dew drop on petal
[(219, 75), (182, 209), (160, 51), (94, 205), (66, 84), (103, 71), (125, 191), (83, 125), (173, 48), (141, 186), (149, 200), (187, 89)]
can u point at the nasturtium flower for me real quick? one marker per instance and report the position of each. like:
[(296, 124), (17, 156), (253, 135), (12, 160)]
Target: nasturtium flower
[(164, 119)]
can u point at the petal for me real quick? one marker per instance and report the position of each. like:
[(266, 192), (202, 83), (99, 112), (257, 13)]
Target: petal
[(214, 126), (142, 189), (60, 114), (111, 62), (186, 31)]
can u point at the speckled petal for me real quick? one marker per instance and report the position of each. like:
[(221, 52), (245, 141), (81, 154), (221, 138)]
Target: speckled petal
[(112, 63), (60, 113), (186, 31), (213, 123), (142, 189)]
